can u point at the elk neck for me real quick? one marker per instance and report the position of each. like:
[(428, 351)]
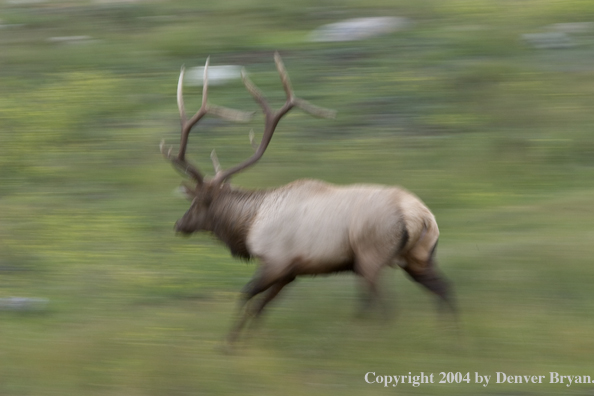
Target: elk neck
[(231, 216)]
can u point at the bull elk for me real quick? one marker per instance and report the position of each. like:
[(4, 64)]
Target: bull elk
[(306, 227)]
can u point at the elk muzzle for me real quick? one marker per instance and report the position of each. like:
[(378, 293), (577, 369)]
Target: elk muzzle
[(183, 228)]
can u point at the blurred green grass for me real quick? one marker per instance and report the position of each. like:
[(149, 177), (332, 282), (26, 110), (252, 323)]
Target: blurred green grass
[(495, 136)]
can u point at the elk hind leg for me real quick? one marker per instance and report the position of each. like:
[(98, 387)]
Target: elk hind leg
[(372, 256), (368, 267), (425, 272)]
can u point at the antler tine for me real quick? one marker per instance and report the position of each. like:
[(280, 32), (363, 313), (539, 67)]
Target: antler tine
[(215, 161), (284, 76), (272, 118), (251, 135), (182, 165), (205, 84), (230, 114), (255, 92), (314, 110), (180, 95)]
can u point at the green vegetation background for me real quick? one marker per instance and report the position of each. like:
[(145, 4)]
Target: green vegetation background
[(495, 136)]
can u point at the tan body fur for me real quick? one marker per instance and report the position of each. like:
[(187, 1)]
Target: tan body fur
[(310, 227)]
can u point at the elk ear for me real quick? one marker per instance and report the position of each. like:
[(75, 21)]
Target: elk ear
[(187, 191)]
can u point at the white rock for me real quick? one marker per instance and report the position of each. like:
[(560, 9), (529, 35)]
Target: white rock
[(358, 29), (217, 75)]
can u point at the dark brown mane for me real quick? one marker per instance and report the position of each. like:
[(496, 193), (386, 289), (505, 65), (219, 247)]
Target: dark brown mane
[(232, 215)]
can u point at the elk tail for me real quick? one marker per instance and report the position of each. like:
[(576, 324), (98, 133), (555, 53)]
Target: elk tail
[(423, 232)]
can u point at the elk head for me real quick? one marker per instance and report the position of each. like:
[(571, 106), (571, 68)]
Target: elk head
[(208, 190)]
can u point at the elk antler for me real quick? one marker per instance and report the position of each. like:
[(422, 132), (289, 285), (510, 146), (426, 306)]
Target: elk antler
[(179, 161), (272, 118)]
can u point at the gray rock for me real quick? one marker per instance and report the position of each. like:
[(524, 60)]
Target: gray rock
[(70, 39), (548, 40), (573, 27), (23, 304), (25, 2)]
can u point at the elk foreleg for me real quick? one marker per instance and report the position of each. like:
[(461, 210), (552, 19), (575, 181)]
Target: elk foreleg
[(271, 295), (252, 289), (259, 284)]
